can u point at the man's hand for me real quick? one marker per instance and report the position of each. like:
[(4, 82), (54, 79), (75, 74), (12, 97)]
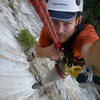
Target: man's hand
[(50, 52), (54, 53), (91, 54)]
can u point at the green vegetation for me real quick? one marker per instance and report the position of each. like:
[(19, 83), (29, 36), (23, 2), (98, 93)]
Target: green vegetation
[(96, 79), (92, 13), (10, 4), (26, 39), (44, 64)]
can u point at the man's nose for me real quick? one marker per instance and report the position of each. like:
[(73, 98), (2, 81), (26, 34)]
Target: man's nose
[(60, 28)]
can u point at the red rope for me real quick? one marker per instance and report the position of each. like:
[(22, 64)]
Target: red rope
[(43, 4), (41, 10)]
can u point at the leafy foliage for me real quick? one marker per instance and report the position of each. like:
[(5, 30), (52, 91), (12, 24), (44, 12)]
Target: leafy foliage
[(96, 79), (10, 4), (26, 39), (91, 13)]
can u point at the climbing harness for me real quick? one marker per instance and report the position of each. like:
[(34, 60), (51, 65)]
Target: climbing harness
[(63, 69)]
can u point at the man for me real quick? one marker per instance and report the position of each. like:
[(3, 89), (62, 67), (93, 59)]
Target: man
[(66, 17)]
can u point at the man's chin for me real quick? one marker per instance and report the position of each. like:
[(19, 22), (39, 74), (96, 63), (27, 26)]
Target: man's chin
[(62, 41)]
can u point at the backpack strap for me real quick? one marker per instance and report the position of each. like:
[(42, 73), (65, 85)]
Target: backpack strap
[(70, 41), (68, 51), (80, 27)]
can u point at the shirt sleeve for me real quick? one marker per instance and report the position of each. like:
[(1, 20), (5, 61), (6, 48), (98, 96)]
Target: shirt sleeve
[(45, 39), (87, 35)]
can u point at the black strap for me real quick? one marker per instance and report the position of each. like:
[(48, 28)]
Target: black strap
[(68, 51), (70, 41)]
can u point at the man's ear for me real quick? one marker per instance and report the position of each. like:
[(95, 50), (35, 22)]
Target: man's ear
[(80, 19)]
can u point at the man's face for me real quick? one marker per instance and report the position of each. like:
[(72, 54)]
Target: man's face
[(65, 29)]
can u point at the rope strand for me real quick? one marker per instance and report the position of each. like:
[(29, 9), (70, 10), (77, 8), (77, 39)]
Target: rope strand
[(41, 10)]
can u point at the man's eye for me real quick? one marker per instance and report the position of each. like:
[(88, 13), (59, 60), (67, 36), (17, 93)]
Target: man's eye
[(68, 23), (55, 22)]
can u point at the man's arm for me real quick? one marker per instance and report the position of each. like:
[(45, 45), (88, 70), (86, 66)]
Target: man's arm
[(48, 52), (91, 54)]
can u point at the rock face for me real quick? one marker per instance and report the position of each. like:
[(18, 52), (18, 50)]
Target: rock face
[(16, 74)]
